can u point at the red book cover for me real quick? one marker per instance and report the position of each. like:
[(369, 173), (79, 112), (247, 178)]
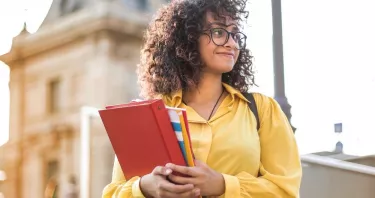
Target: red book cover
[(142, 136), (144, 102)]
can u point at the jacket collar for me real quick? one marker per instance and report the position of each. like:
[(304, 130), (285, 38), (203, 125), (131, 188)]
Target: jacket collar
[(175, 99)]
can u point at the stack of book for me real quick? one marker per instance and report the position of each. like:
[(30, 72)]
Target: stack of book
[(147, 134)]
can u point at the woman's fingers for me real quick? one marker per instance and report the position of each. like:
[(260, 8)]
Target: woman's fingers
[(189, 171), (161, 170), (167, 189), (181, 180)]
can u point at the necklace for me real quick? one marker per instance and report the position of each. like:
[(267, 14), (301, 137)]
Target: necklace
[(212, 111), (216, 104)]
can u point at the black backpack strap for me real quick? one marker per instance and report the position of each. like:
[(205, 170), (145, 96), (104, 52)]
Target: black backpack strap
[(253, 107)]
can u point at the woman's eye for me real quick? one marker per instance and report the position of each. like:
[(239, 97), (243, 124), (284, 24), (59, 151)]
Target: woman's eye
[(237, 37), (218, 32)]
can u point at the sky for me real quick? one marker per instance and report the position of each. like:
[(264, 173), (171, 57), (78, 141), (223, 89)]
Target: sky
[(329, 69), (13, 14)]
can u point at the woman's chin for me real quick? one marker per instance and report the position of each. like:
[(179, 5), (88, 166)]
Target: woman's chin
[(219, 69), (225, 68)]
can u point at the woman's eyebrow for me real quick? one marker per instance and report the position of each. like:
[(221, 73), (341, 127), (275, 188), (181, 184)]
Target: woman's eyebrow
[(235, 28)]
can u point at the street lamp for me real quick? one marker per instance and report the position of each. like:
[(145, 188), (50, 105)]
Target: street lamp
[(278, 60)]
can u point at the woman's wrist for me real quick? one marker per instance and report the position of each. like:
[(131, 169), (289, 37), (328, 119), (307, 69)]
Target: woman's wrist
[(220, 184), (143, 185)]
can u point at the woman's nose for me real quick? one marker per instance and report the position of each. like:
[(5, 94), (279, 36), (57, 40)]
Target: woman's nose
[(231, 42)]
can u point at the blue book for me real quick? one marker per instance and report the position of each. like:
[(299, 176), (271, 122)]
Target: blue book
[(176, 124)]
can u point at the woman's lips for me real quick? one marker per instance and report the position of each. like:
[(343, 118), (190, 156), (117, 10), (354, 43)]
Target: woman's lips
[(227, 55)]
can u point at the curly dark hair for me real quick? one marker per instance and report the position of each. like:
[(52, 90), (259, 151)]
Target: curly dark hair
[(170, 58)]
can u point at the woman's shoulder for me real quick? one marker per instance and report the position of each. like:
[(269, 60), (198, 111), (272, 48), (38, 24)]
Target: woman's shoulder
[(265, 103), (261, 98)]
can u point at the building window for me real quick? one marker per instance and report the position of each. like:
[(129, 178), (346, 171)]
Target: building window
[(55, 101), (52, 169)]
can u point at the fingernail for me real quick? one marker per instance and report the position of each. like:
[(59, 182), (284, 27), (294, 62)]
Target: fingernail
[(197, 192), (168, 171)]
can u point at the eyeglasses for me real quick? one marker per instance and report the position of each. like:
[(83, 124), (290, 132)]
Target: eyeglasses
[(220, 37)]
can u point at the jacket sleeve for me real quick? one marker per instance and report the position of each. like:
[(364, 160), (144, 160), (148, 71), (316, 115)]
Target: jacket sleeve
[(120, 187), (280, 171)]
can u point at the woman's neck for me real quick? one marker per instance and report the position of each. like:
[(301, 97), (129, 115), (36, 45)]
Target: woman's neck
[(208, 91)]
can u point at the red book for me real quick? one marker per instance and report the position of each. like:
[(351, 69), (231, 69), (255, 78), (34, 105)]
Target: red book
[(142, 136)]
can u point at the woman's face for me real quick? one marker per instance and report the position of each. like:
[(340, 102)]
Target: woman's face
[(218, 52)]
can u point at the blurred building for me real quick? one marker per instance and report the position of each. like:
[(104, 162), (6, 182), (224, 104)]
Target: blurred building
[(85, 54)]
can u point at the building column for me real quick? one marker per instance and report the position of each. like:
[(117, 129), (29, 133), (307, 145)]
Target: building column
[(65, 136), (278, 60), (9, 187)]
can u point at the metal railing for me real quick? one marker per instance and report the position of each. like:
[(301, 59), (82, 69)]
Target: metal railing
[(331, 177), (340, 164)]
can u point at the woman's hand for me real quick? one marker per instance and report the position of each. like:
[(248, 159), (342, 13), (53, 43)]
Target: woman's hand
[(156, 185), (210, 182)]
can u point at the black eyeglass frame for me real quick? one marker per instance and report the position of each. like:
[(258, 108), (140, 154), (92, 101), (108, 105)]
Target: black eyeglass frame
[(232, 34)]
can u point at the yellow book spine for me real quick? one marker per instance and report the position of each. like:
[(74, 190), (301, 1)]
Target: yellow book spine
[(189, 152)]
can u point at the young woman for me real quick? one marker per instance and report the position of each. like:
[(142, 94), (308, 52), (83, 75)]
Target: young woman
[(195, 57)]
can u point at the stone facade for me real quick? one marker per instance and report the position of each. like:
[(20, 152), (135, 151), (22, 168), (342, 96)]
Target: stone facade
[(85, 54)]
